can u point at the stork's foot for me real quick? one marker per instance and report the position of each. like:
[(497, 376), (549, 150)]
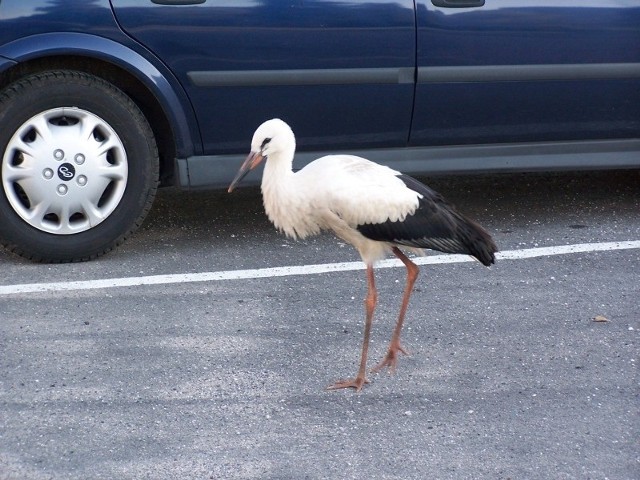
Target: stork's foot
[(391, 358), (356, 383)]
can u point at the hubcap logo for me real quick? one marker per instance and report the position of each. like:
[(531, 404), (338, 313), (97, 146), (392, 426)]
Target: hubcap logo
[(66, 172)]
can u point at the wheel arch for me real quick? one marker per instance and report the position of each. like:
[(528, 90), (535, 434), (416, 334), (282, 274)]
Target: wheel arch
[(158, 94)]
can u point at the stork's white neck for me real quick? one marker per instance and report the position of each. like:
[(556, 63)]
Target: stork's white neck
[(278, 172), (284, 201)]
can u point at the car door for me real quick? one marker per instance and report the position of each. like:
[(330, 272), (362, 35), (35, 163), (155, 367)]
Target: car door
[(499, 71), (340, 72)]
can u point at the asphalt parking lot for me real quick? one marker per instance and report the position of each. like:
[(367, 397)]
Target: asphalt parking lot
[(162, 361)]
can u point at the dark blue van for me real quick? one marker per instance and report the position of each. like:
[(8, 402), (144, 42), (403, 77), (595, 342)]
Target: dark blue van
[(102, 101)]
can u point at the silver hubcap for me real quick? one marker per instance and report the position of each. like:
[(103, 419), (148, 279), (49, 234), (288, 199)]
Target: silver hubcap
[(64, 171)]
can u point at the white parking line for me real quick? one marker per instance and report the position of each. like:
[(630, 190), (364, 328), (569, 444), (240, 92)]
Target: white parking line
[(303, 269)]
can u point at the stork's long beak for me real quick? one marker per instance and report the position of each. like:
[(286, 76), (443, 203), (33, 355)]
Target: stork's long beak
[(252, 161)]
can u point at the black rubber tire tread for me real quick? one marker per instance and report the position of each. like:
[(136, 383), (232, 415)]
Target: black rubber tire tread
[(57, 88)]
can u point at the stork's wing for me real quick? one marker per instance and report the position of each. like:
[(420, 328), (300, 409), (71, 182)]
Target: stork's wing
[(357, 190), (436, 225)]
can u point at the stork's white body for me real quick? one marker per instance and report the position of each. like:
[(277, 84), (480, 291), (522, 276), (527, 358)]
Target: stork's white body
[(337, 193)]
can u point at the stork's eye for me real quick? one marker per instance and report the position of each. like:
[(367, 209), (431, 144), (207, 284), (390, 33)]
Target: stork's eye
[(265, 142)]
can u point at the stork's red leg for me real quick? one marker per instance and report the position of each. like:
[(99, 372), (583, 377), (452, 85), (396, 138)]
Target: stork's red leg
[(391, 358), (370, 305)]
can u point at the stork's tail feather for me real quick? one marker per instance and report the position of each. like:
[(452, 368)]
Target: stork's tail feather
[(477, 241), (463, 236)]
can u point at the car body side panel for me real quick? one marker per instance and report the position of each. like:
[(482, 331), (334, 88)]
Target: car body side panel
[(26, 34), (527, 71), (510, 79), (24, 18), (244, 62)]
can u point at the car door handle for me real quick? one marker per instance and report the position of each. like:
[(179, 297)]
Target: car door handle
[(177, 2), (458, 3)]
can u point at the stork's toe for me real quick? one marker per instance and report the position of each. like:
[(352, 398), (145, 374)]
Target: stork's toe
[(356, 383), (391, 359)]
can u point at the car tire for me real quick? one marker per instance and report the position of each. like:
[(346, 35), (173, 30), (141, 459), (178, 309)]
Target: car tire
[(79, 166)]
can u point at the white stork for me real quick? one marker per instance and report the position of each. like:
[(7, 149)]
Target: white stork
[(372, 207)]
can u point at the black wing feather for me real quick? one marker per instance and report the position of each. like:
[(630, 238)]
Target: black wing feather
[(436, 225)]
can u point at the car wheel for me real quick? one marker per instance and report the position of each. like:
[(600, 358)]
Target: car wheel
[(79, 166)]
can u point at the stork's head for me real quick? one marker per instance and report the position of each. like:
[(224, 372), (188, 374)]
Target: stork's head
[(273, 139)]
